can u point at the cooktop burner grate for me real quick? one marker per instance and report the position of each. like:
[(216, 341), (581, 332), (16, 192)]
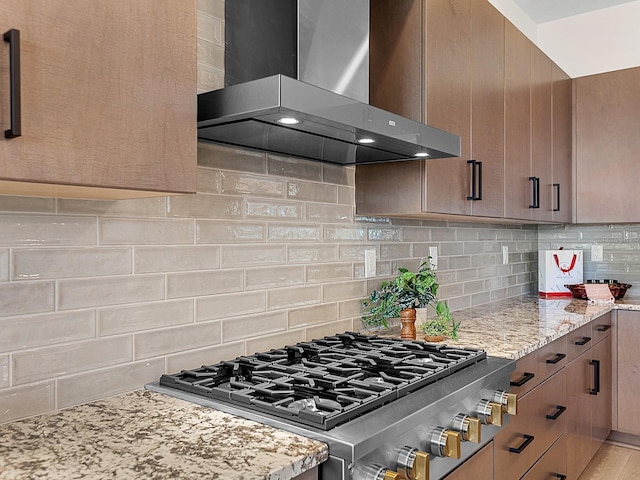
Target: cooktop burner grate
[(327, 381)]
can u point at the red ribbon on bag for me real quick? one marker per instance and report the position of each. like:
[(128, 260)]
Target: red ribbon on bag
[(566, 270)]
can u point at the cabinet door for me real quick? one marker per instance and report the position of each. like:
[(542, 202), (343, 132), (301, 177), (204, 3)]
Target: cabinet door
[(108, 97), (552, 465), (601, 410), (628, 366), (517, 140), (541, 151), (562, 139), (487, 105), (579, 405), (448, 104), (607, 115), (478, 467)]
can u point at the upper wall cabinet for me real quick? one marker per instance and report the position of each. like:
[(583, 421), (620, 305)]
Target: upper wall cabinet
[(561, 134), (606, 119), (103, 94), (459, 66)]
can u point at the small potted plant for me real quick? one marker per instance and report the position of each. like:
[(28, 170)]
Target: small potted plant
[(435, 330)]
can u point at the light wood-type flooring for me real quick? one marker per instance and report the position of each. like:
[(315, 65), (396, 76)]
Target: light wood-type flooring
[(614, 462)]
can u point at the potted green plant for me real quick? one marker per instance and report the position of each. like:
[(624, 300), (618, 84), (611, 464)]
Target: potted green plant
[(400, 296), (442, 326)]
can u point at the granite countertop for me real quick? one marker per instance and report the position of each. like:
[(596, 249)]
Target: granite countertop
[(143, 434), (517, 326)]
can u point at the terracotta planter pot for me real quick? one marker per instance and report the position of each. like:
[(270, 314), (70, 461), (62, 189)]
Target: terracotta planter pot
[(433, 338)]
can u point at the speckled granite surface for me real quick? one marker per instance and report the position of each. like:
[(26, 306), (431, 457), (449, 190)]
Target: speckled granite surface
[(513, 327), (148, 435)]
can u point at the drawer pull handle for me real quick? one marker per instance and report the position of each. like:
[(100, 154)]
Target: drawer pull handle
[(603, 328), (527, 440), (559, 412), (525, 378), (596, 377), (559, 475), (584, 341), (556, 359), (12, 37)]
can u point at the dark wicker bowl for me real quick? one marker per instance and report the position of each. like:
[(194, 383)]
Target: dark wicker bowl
[(617, 290)]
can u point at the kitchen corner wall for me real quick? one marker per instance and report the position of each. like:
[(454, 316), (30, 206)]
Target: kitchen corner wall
[(100, 297)]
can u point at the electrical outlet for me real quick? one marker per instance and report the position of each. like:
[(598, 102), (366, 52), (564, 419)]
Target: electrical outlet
[(505, 254), (597, 253), (369, 263), (433, 253)]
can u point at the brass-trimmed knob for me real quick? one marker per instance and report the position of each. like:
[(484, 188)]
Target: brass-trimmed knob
[(378, 472), (469, 427), (413, 464), (490, 413), (509, 401), (445, 443)]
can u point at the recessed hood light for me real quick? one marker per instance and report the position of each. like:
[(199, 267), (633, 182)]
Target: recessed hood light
[(288, 121), (366, 141)]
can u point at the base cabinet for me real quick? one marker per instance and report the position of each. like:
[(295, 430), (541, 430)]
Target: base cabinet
[(552, 465), (478, 467), (628, 371)]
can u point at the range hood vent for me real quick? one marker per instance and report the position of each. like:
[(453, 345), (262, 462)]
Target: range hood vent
[(265, 40)]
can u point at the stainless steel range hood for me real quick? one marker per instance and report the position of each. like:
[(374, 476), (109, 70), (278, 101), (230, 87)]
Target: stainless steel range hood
[(268, 39)]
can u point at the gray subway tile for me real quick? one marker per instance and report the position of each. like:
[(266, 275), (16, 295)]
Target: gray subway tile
[(253, 325), (146, 232), (233, 183), (252, 255), (195, 284), (329, 328), (312, 191), (97, 292), (312, 253), (144, 316), (204, 356), (230, 232), (176, 258), (328, 273), (274, 277), (339, 174), (25, 332), (26, 298), (4, 264), (344, 290), (209, 53), (273, 209), (46, 263), (205, 206), (176, 339), (344, 233), (293, 297), (326, 213), (294, 233), (277, 340), (4, 372), (313, 315), (27, 401), (47, 230), (210, 28), (83, 388), (10, 203), (50, 362), (229, 305), (385, 234), (138, 207), (294, 168), (229, 158), (350, 308)]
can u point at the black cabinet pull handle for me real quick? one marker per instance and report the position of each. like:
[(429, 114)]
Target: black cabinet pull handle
[(584, 341), (556, 186), (527, 440), (473, 179), (525, 378), (596, 377), (559, 412), (556, 359), (476, 180), (13, 38), (603, 328), (536, 192), (559, 475)]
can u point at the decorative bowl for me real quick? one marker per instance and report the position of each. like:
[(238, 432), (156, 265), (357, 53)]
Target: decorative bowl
[(617, 290)]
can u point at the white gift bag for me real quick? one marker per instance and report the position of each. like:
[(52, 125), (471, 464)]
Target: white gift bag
[(557, 268)]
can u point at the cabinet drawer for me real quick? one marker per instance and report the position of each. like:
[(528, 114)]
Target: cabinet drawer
[(579, 341), (601, 328), (553, 463), (541, 420), (533, 369)]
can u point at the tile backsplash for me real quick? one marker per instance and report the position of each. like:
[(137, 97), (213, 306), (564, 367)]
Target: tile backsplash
[(101, 297)]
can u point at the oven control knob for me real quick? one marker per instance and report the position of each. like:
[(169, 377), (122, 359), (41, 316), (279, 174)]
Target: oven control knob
[(509, 401), (469, 427), (378, 472), (445, 443), (413, 464), (490, 413)]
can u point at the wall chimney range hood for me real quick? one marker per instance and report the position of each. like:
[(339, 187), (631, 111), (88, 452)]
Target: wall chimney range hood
[(263, 108)]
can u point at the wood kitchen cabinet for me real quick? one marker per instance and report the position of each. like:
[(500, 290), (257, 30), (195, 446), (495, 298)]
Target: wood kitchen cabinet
[(562, 178), (108, 97), (478, 467), (606, 119), (445, 57), (589, 396), (628, 368)]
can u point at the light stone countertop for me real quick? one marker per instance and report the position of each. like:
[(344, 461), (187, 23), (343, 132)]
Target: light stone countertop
[(143, 434), (148, 435)]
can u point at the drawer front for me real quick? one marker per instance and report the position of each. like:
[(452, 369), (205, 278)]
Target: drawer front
[(552, 465), (533, 369), (601, 327), (540, 421), (579, 341)]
